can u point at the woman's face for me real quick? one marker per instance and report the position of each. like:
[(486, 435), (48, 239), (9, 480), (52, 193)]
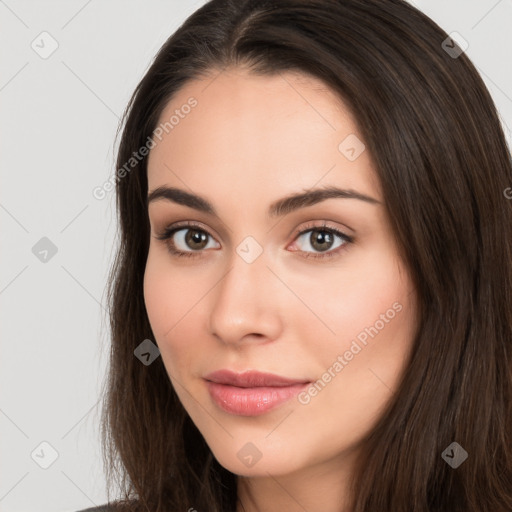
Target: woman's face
[(268, 288)]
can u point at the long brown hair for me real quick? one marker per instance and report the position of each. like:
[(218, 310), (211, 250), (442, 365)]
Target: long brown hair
[(443, 164)]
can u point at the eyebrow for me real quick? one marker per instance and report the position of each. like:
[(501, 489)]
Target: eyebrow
[(278, 208)]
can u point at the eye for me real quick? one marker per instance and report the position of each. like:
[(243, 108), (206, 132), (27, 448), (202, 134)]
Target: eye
[(323, 239), (186, 240), (189, 240)]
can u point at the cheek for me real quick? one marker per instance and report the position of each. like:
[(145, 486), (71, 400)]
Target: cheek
[(158, 295), (373, 317), (374, 336), (372, 313), (367, 299), (167, 300), (174, 298)]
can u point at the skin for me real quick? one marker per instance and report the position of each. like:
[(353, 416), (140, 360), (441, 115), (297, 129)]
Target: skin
[(250, 141)]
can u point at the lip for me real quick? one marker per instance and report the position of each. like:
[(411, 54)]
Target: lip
[(251, 393)]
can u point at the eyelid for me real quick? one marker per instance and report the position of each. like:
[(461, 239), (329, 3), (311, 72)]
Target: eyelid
[(310, 226), (182, 225)]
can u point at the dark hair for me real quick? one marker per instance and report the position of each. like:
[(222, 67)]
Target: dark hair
[(443, 163)]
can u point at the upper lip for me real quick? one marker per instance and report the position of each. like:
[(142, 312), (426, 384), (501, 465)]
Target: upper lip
[(251, 379)]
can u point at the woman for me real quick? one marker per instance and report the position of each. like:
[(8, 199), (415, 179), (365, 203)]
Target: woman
[(311, 306)]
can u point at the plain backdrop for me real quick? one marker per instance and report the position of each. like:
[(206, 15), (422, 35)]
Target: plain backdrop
[(68, 69)]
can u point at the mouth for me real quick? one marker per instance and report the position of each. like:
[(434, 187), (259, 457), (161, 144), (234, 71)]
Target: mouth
[(251, 393)]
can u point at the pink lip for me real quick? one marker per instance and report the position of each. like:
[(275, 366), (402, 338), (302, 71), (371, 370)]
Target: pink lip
[(251, 393)]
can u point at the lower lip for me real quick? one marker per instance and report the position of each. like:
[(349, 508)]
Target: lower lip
[(251, 401)]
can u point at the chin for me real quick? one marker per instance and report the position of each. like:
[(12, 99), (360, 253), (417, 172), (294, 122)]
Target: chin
[(257, 458)]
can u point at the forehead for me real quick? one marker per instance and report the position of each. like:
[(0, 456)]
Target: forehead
[(245, 131)]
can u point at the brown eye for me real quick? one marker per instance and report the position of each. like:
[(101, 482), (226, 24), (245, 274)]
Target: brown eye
[(321, 240), (187, 240), (196, 239)]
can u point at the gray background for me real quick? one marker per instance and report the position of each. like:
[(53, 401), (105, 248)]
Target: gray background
[(59, 118)]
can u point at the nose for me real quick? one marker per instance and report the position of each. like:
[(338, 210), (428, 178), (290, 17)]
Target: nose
[(246, 306)]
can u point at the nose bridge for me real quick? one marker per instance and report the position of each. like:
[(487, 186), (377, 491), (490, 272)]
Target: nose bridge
[(244, 302)]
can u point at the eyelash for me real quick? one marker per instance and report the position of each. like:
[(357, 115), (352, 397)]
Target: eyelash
[(169, 232)]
